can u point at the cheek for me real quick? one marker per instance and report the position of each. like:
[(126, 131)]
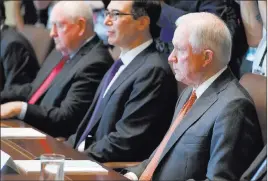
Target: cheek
[(182, 62)]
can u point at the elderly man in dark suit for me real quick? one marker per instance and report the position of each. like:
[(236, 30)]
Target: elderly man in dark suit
[(56, 101), (18, 62), (215, 133), (133, 104)]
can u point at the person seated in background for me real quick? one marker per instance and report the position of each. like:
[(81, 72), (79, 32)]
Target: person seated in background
[(29, 12), (58, 98), (173, 9), (227, 10), (215, 133), (254, 18), (18, 62), (98, 14), (133, 106)]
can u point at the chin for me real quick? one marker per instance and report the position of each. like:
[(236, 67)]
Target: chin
[(111, 41)]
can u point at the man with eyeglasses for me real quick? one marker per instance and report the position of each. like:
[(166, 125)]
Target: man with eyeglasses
[(134, 103), (58, 98)]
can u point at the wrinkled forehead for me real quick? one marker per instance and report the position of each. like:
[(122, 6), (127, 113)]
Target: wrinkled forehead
[(57, 15), (182, 33), (123, 6)]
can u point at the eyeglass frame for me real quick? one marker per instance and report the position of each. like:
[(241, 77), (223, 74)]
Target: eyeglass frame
[(115, 14)]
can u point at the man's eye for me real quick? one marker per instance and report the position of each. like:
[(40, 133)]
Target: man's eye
[(116, 13)]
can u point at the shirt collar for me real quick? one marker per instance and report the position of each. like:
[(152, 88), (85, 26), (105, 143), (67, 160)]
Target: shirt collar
[(203, 87), (85, 42), (128, 56)]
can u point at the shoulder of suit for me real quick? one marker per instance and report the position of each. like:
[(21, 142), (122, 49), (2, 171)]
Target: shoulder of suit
[(12, 35), (155, 60), (234, 91)]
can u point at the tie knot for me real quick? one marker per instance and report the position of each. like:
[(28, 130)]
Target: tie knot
[(117, 63), (65, 58), (190, 102), (115, 67), (193, 96)]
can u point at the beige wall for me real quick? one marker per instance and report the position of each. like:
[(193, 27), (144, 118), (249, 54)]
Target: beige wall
[(9, 13)]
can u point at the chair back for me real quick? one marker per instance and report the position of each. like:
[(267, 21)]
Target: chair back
[(39, 39), (256, 86)]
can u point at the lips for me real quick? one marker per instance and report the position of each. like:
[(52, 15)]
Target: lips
[(109, 33)]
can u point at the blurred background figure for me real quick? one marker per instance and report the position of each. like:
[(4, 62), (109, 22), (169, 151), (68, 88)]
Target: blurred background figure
[(31, 12), (18, 62), (98, 8), (254, 18)]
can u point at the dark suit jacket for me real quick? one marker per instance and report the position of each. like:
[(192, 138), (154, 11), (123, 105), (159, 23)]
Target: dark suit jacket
[(177, 8), (217, 139), (254, 171), (63, 105), (135, 112), (18, 62)]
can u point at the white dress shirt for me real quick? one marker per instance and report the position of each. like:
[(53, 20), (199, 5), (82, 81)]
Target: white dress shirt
[(203, 87), (126, 58), (25, 105)]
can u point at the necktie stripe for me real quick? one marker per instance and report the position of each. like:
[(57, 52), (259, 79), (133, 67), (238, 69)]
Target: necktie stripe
[(43, 87), (148, 172), (115, 67)]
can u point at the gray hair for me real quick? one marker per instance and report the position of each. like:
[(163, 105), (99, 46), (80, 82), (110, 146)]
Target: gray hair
[(75, 9), (208, 31)]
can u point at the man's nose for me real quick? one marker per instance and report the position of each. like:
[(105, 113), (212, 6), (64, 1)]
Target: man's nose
[(53, 32), (172, 58), (108, 20)]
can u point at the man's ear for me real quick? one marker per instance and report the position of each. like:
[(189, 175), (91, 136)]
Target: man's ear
[(208, 56), (82, 26), (144, 22)]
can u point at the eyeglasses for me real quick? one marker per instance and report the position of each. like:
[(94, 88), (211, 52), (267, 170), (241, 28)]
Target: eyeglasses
[(114, 14)]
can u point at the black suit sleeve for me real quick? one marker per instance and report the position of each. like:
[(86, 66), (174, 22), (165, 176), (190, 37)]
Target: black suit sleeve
[(20, 65), (132, 132), (16, 93), (72, 107)]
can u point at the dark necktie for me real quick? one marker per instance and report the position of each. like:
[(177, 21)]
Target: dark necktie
[(117, 64), (55, 71), (148, 172)]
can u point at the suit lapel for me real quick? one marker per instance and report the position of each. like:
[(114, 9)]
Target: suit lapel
[(71, 63), (81, 128), (202, 104), (136, 63), (68, 66), (198, 109), (47, 67)]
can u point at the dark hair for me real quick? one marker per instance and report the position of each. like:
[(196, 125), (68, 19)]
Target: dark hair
[(150, 8), (2, 12)]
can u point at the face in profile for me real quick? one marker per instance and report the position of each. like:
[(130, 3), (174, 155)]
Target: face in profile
[(64, 32), (185, 61), (122, 28)]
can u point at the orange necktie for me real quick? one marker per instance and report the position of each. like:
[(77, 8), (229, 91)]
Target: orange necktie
[(148, 172), (55, 71)]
